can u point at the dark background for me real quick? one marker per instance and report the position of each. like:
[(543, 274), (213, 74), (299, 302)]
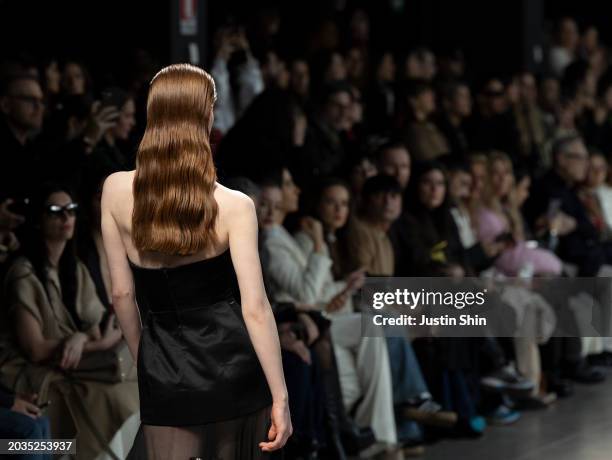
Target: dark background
[(104, 33)]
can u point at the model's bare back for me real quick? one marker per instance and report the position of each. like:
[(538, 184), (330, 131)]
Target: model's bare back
[(122, 206)]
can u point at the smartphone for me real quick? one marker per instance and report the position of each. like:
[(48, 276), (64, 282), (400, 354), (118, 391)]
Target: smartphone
[(107, 99)]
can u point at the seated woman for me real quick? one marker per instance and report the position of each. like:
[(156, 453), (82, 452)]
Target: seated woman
[(411, 397), (303, 278), (428, 244), (297, 333), (498, 218), (58, 332)]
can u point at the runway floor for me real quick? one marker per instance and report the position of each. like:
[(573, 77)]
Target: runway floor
[(579, 428)]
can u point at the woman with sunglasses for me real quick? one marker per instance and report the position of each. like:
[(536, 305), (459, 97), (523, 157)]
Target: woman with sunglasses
[(56, 321)]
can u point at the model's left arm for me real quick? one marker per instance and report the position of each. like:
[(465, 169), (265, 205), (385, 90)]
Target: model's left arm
[(258, 315), (124, 301)]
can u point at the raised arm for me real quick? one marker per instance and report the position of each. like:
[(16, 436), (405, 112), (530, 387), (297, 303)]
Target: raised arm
[(258, 315), (124, 302)]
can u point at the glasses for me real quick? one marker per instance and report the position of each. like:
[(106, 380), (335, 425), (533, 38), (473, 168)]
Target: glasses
[(32, 100), (57, 210)]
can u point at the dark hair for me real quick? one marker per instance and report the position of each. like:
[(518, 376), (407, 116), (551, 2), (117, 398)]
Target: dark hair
[(419, 171), (449, 90), (452, 164), (7, 82), (573, 76), (273, 177), (77, 106), (560, 144), (331, 89), (323, 185), (35, 249), (86, 74), (377, 59), (604, 82), (440, 217), (244, 185), (345, 261), (319, 64), (390, 145), (381, 183), (415, 87)]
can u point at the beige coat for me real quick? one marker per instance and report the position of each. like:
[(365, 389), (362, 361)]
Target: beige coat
[(74, 403)]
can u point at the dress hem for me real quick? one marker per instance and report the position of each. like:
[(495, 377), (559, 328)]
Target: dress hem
[(211, 421)]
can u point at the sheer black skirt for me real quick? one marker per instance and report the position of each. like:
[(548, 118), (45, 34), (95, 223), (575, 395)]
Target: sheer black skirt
[(235, 439)]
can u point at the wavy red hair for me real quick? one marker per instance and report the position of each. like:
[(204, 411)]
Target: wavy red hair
[(174, 209)]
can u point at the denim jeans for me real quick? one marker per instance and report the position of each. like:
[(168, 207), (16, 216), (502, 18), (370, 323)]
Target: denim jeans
[(18, 426), (408, 383)]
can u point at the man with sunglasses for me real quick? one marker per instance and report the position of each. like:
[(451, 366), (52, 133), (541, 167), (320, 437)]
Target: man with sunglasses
[(493, 126)]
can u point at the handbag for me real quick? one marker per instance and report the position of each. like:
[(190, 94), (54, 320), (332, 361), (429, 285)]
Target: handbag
[(114, 365)]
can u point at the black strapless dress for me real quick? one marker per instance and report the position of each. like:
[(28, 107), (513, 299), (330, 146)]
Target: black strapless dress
[(203, 392)]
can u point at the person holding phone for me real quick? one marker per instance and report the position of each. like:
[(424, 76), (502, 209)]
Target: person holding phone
[(110, 126), (299, 270)]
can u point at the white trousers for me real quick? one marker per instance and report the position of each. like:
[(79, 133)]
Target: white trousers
[(363, 365)]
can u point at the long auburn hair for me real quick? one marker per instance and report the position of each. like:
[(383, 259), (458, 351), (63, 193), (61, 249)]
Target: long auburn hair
[(174, 209)]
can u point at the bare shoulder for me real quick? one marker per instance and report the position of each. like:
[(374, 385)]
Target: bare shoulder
[(233, 203), (119, 183)]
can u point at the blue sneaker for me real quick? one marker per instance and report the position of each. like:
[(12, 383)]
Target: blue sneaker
[(503, 415), (477, 424)]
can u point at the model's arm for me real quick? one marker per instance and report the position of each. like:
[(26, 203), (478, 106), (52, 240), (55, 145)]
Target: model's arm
[(258, 315), (122, 281)]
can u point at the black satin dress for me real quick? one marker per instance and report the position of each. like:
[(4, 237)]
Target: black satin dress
[(203, 392)]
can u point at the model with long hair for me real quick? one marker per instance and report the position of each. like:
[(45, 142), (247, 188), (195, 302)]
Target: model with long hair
[(187, 289)]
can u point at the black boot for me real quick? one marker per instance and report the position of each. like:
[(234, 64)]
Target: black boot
[(354, 439), (333, 406)]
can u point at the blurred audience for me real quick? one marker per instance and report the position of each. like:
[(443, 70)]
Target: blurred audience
[(370, 159)]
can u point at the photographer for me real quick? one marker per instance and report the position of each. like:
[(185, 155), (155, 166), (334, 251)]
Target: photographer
[(234, 92)]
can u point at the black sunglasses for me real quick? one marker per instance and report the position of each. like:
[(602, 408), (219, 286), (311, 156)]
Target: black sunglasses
[(57, 210)]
